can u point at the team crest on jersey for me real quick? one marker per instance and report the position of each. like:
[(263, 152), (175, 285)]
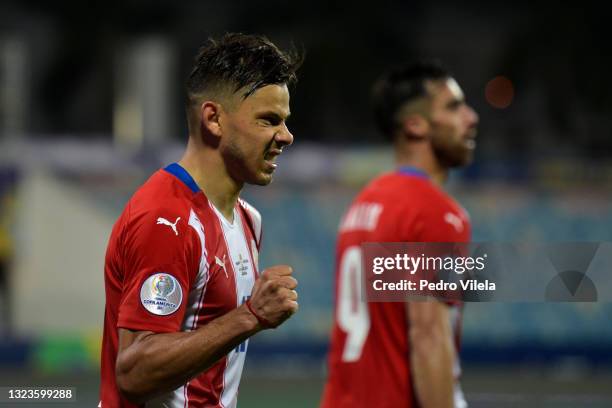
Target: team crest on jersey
[(161, 294)]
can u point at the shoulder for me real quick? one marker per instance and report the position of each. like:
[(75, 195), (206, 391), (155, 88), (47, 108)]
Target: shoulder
[(404, 193), (381, 204), (158, 209), (160, 195), (444, 218), (417, 194), (160, 190), (419, 209), (438, 201)]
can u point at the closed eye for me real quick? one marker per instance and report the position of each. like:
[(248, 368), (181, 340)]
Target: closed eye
[(454, 104), (271, 120)]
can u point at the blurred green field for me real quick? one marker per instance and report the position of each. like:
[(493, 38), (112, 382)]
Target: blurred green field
[(491, 387), (495, 388)]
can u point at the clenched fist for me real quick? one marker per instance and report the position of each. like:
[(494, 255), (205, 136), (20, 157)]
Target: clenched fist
[(274, 298)]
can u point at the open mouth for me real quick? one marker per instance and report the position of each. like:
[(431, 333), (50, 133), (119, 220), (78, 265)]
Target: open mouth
[(270, 157), (271, 164), (470, 139), (270, 160)]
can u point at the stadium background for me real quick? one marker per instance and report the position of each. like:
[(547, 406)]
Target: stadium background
[(91, 104)]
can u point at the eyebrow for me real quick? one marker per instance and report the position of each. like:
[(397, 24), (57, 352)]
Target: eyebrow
[(273, 114), (453, 103)]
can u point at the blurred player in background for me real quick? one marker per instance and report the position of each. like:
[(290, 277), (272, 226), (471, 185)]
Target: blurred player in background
[(403, 354), (183, 289)]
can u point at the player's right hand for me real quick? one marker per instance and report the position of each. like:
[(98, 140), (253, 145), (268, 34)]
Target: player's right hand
[(274, 298)]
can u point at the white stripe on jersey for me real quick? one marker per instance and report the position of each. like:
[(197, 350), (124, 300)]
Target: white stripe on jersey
[(196, 294), (458, 397), (244, 273), (454, 317), (173, 399), (178, 398)]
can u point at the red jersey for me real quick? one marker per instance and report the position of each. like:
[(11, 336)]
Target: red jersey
[(369, 357), (174, 263)]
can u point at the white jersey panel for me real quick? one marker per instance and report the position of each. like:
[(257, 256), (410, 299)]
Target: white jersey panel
[(197, 292), (244, 276)]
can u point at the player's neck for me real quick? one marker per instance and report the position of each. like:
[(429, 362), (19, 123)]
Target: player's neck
[(437, 173), (210, 174)]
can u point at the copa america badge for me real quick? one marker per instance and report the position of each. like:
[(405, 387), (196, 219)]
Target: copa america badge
[(161, 294)]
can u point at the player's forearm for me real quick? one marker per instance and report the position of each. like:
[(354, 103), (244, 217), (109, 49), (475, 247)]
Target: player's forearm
[(432, 364), (159, 363)]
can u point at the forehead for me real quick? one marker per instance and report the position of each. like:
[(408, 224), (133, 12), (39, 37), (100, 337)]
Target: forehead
[(444, 91), (274, 98)]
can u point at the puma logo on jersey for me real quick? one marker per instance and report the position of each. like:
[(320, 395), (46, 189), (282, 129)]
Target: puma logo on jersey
[(454, 220), (221, 263), (164, 221)]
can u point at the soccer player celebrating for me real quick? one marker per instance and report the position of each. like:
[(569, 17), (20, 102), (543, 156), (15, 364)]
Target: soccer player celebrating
[(403, 354), (183, 289)]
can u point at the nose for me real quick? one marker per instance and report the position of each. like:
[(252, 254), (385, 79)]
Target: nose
[(283, 137), (472, 116)]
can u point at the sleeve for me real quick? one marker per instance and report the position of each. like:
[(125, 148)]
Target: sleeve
[(161, 259)]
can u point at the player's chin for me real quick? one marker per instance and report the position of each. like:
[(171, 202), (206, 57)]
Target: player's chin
[(465, 154), (460, 158), (264, 181), (262, 178), (261, 174)]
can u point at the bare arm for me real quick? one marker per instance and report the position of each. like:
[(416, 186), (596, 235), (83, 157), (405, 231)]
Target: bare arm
[(150, 364), (432, 353)]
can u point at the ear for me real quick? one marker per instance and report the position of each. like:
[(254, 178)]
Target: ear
[(415, 126), (209, 115)]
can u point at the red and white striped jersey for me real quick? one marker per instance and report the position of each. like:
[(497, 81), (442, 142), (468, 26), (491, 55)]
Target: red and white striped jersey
[(175, 263)]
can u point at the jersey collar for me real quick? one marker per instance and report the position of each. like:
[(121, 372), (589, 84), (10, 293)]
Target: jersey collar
[(180, 173), (413, 171)]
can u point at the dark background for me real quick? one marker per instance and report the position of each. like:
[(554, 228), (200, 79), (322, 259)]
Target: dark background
[(555, 55)]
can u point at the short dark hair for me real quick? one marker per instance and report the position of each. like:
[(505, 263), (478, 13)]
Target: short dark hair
[(239, 61), (400, 85)]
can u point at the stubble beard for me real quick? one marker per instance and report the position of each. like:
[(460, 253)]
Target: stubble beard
[(452, 153), (238, 166)]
